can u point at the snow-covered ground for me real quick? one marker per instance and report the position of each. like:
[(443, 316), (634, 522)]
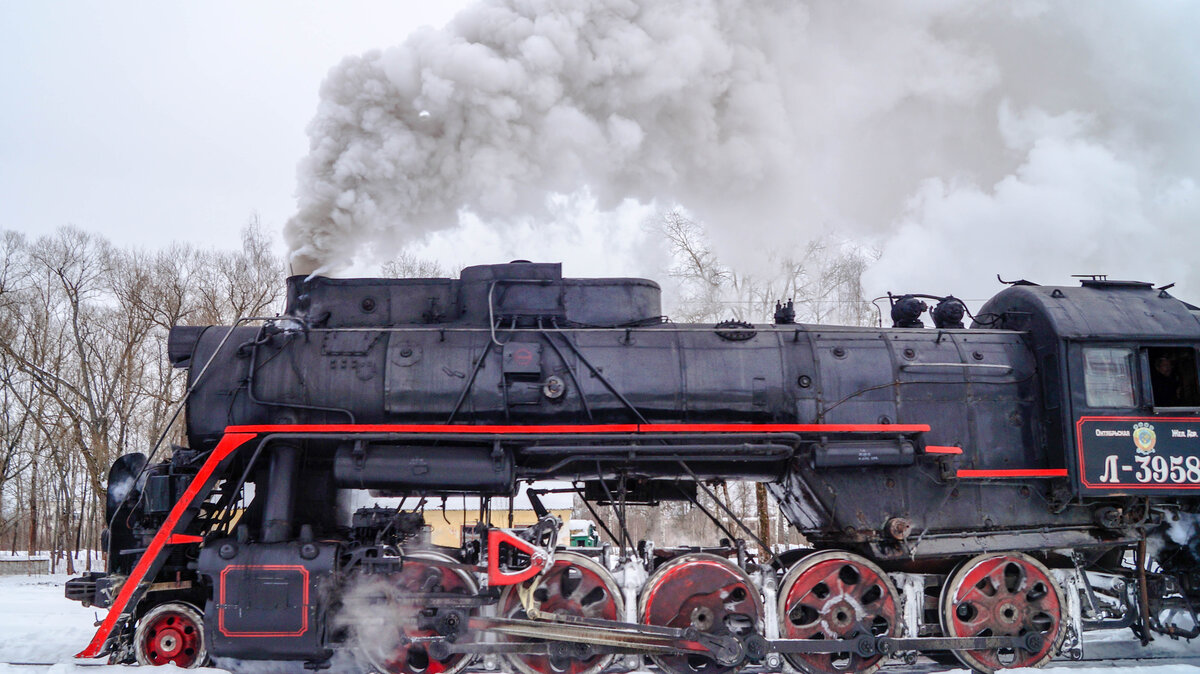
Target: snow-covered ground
[(40, 631), (39, 625)]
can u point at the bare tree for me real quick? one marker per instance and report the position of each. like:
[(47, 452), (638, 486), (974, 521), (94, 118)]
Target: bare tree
[(408, 265), (823, 280), (59, 346), (83, 369), (705, 280), (235, 285)]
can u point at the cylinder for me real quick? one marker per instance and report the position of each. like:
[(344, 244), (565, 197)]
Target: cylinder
[(423, 469)]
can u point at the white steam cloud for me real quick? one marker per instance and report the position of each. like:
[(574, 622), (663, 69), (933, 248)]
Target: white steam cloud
[(375, 619), (959, 137)]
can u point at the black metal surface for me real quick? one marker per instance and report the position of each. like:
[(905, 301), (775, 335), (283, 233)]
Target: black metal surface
[(423, 468), (520, 290), (83, 589)]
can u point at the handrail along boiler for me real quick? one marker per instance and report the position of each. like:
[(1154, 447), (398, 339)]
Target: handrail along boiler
[(988, 492)]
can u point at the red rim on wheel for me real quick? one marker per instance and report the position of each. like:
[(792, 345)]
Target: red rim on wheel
[(576, 586), (836, 595), (381, 642), (706, 592), (1003, 594), (171, 633)]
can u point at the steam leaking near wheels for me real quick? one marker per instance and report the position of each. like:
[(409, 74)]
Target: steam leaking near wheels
[(960, 130)]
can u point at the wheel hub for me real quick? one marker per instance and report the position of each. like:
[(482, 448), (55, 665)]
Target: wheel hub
[(168, 643), (1007, 614), (842, 617)]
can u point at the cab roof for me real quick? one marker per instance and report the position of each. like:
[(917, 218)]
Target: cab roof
[(1097, 309)]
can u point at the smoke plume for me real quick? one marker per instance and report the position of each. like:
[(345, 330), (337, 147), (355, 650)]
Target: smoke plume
[(960, 138)]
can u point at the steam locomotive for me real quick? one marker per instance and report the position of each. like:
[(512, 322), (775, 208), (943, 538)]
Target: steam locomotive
[(987, 492)]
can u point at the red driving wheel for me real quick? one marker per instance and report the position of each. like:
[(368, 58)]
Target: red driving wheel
[(1003, 594), (837, 595), (574, 586), (171, 633), (704, 592)]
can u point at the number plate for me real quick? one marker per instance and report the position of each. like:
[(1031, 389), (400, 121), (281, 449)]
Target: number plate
[(1130, 454)]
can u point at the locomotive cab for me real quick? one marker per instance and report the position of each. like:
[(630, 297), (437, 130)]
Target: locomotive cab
[(1118, 367)]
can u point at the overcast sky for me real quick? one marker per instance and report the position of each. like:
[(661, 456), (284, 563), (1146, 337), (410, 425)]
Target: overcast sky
[(155, 121)]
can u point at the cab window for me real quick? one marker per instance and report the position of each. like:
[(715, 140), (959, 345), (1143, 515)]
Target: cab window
[(1108, 377), (1173, 380)]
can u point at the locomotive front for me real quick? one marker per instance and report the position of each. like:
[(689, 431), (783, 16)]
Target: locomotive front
[(906, 456)]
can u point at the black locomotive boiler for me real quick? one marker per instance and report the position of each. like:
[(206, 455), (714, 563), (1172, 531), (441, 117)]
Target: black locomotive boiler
[(990, 492)]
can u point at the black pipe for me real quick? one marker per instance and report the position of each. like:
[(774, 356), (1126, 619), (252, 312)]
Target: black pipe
[(462, 396), (1143, 594), (770, 554), (715, 520), (281, 488), (423, 468)]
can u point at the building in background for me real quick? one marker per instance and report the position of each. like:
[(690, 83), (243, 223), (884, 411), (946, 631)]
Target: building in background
[(454, 525), (460, 514)]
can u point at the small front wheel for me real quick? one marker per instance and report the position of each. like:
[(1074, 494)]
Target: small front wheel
[(171, 633)]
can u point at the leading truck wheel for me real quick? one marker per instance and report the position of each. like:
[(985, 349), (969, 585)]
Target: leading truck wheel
[(1003, 594), (171, 633)]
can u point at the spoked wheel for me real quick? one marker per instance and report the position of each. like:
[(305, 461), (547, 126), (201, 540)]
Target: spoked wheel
[(390, 617), (706, 592), (837, 595), (1003, 594), (171, 633), (575, 586)]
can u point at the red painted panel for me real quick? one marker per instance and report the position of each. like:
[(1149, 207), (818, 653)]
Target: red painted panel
[(267, 567), (1121, 485), (496, 577), (1015, 472), (566, 429)]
